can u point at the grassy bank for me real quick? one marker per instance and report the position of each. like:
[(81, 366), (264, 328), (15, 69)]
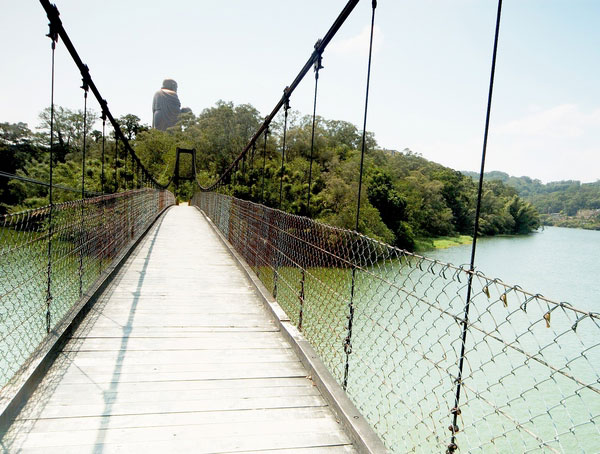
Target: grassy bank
[(441, 242)]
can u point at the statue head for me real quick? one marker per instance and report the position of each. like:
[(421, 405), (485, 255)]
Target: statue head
[(169, 84)]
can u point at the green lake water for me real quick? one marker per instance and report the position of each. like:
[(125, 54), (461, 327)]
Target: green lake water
[(560, 263)]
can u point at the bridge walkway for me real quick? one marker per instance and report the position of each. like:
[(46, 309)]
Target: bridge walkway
[(178, 355)]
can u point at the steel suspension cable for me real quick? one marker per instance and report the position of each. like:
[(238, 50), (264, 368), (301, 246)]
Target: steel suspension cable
[(318, 66), (348, 340), (465, 322)]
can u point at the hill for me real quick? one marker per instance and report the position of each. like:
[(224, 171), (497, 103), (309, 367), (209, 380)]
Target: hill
[(567, 203)]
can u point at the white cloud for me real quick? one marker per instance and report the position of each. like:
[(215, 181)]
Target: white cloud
[(558, 143), (359, 44), (560, 122), (561, 142)]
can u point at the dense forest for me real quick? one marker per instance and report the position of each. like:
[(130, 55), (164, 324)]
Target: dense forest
[(562, 203), (406, 200)]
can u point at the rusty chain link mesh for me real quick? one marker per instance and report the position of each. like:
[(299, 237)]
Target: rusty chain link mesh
[(531, 380), (85, 237)]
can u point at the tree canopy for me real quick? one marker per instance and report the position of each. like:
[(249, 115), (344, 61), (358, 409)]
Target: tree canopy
[(405, 197)]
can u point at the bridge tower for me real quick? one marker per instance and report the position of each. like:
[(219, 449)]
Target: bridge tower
[(177, 177)]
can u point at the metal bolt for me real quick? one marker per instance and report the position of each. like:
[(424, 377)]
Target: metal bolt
[(452, 428)]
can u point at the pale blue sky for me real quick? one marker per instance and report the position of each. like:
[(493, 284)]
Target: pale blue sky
[(429, 80)]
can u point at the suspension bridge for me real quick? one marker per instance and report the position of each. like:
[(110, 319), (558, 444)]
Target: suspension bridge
[(132, 324)]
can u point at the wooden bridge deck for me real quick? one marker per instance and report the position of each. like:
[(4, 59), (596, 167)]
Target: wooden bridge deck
[(178, 355)]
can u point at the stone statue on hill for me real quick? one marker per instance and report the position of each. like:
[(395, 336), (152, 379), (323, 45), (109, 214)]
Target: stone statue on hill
[(166, 107)]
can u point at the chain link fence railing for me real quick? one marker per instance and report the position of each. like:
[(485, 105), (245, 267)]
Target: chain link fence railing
[(531, 376), (51, 256)]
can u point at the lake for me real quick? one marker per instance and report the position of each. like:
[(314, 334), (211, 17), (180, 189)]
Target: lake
[(560, 263)]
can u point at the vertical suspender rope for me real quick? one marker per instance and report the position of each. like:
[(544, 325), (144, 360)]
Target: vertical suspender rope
[(126, 170), (102, 185), (115, 163), (132, 164), (262, 193), (465, 322), (53, 35), (348, 340), (233, 179), (286, 107), (102, 179), (81, 239), (318, 66)]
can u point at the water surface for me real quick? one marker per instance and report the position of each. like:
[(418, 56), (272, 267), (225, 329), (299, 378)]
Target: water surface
[(560, 263)]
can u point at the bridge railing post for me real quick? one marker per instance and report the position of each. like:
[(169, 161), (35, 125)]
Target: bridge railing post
[(301, 297), (274, 227)]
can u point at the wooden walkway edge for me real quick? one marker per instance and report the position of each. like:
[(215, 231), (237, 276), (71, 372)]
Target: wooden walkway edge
[(178, 355)]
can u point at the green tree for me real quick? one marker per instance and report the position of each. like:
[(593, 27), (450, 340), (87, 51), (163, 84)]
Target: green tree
[(525, 216), (131, 126), (68, 130), (392, 208)]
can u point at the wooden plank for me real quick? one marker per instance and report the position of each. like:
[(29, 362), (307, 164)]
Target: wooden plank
[(93, 369), (167, 331), (68, 390), (240, 430), (274, 370), (183, 320), (262, 355), (262, 340), (115, 395), (220, 404), (262, 416), (219, 444)]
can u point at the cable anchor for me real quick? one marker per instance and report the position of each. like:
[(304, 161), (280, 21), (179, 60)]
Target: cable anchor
[(319, 61), (53, 25), (286, 104), (85, 85)]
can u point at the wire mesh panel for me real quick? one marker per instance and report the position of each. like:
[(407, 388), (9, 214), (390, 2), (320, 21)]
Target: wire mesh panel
[(531, 378), (50, 257)]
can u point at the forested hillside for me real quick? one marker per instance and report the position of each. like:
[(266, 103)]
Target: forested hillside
[(563, 203), (407, 199)]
